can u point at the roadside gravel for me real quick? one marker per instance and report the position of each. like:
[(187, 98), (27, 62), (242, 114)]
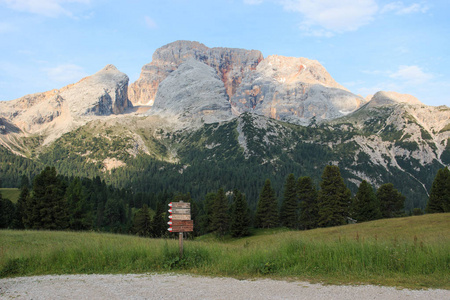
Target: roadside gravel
[(169, 286)]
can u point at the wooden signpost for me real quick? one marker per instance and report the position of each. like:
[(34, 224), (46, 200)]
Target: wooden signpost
[(180, 220)]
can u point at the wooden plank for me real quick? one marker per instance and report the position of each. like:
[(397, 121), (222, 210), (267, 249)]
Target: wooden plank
[(183, 229), (180, 217), (182, 211), (181, 205), (182, 223)]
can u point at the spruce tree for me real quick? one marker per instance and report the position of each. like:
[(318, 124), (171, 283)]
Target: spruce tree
[(19, 215), (289, 206), (240, 215), (159, 224), (142, 222), (220, 221), (439, 200), (267, 209), (334, 198), (309, 208), (208, 208), (48, 207), (79, 210), (391, 201), (365, 205), (6, 212)]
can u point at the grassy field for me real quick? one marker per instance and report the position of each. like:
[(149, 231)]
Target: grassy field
[(409, 252), (10, 193)]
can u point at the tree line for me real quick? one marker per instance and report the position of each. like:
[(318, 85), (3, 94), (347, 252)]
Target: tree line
[(54, 202)]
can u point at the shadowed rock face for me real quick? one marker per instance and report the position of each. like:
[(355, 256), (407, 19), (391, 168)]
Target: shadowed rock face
[(230, 65), (294, 90), (194, 92)]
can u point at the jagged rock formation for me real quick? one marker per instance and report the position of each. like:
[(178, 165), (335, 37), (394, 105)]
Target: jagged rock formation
[(229, 63), (192, 92), (294, 90), (55, 112)]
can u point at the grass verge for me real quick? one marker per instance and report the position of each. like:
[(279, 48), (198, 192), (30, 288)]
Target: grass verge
[(407, 252)]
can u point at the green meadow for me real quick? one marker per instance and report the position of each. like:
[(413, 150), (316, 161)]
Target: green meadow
[(411, 252), (10, 193)]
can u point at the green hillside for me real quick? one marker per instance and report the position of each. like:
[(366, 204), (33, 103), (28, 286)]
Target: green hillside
[(404, 252)]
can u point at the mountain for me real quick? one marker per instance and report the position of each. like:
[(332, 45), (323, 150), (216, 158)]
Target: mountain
[(229, 63), (223, 117), (50, 114)]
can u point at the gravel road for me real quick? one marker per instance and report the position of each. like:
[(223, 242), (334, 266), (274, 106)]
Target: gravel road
[(167, 286)]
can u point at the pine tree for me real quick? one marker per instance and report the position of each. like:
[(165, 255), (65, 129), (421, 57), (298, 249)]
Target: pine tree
[(79, 210), (334, 198), (267, 210), (289, 206), (208, 209), (439, 200), (309, 208), (6, 212), (142, 222), (159, 224), (48, 207), (220, 221), (365, 206), (391, 201), (240, 215), (19, 215)]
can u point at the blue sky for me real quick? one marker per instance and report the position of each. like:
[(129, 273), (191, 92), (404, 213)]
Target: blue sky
[(366, 45)]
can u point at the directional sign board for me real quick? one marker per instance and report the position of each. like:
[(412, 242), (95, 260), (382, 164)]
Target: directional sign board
[(180, 217)]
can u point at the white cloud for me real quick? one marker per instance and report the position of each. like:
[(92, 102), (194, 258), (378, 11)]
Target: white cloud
[(327, 17), (67, 73), (253, 2), (150, 23), (411, 75), (47, 8), (401, 9)]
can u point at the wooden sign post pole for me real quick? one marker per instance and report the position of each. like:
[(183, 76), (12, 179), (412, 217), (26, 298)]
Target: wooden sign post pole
[(180, 242)]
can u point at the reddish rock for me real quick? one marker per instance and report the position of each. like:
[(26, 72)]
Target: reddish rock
[(230, 64)]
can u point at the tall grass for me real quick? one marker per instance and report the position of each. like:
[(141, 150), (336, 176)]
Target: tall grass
[(347, 254)]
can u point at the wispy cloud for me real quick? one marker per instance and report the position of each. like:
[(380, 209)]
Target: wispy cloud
[(47, 8), (66, 73), (401, 9), (150, 23), (411, 75), (328, 17)]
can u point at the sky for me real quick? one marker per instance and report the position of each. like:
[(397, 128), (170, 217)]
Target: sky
[(366, 45)]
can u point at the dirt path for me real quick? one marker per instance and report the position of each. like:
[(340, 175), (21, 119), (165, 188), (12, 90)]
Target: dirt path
[(166, 286)]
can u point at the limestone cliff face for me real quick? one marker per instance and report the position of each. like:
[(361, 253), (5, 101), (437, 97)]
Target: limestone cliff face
[(55, 112), (295, 90), (230, 65), (192, 93)]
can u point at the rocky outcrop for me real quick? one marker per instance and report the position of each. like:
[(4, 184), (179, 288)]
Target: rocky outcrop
[(294, 90), (230, 65), (193, 92)]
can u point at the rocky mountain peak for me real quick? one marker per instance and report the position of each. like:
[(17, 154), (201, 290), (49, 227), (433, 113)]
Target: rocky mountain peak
[(230, 65), (388, 98), (293, 70)]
